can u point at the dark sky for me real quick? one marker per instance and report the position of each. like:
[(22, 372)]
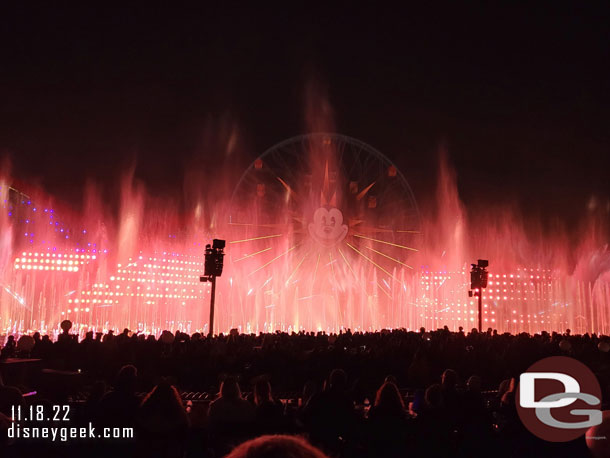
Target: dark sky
[(519, 94)]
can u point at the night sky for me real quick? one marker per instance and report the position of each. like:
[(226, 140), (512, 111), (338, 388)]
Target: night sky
[(518, 95)]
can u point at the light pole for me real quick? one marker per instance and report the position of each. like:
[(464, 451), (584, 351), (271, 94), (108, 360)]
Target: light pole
[(478, 281), (214, 257)]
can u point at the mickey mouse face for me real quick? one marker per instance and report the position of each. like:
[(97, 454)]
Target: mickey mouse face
[(327, 227)]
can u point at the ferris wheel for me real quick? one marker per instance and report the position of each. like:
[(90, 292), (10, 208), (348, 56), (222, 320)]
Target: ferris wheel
[(323, 218)]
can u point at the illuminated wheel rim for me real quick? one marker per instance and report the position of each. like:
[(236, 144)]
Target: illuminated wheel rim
[(323, 228)]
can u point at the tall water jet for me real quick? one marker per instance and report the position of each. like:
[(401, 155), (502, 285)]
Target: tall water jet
[(323, 233)]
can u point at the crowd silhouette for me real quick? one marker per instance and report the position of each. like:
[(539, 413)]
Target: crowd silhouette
[(390, 393)]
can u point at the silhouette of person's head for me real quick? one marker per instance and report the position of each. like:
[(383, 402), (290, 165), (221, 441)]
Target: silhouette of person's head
[(309, 389), (503, 387), (262, 392), (66, 325), (389, 398), (599, 448), (474, 384), (337, 380), (449, 379), (276, 446), (434, 396), (126, 379), (229, 389), (163, 398), (391, 378)]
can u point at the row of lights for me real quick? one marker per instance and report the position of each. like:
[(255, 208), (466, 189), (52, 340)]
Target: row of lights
[(58, 255), (161, 296), (153, 280), (167, 274), (51, 262), (160, 280), (171, 261), (525, 282), (36, 267), (429, 275)]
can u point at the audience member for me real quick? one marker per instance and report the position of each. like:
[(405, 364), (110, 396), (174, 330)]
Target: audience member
[(231, 418), (276, 447), (162, 423), (118, 407), (329, 415), (269, 413), (445, 418), (388, 424)]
